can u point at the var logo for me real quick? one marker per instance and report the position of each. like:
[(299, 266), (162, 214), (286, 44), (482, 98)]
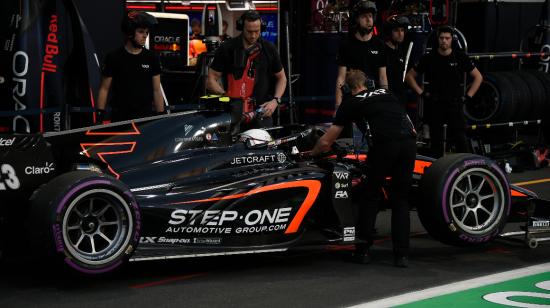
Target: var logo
[(341, 175), (528, 299)]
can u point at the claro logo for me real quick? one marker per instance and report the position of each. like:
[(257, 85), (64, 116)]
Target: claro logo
[(40, 170)]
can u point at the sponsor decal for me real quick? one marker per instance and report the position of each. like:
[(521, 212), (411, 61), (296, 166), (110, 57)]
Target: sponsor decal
[(145, 66), (208, 136), (338, 185), (167, 39), (20, 66), (341, 175), (374, 52), (222, 222), (52, 47), (207, 240), (6, 142), (163, 240), (257, 159), (341, 194), (349, 234), (57, 121), (541, 223), (8, 178), (187, 129), (48, 167), (522, 298), (215, 137), (281, 157), (190, 139)]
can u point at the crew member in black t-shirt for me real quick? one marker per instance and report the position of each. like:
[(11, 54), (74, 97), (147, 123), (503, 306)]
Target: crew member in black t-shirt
[(253, 71), (395, 29), (362, 50), (392, 152), (444, 97), (134, 74)]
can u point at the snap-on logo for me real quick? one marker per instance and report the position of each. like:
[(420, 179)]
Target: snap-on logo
[(40, 170), (6, 142)]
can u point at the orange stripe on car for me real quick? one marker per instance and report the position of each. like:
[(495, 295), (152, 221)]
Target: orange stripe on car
[(516, 193), (420, 165)]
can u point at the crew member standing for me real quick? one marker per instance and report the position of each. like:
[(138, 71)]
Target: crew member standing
[(392, 152), (362, 50), (253, 71), (134, 74), (443, 96), (396, 53)]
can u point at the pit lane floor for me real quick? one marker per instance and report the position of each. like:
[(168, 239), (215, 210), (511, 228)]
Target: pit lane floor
[(322, 277)]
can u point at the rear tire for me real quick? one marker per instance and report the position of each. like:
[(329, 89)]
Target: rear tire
[(466, 200), (85, 220)]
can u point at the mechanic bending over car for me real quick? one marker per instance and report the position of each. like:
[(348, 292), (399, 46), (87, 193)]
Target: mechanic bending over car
[(134, 74), (392, 152), (250, 65), (443, 96)]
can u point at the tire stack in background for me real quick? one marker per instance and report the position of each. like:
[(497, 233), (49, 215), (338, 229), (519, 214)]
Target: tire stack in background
[(510, 97)]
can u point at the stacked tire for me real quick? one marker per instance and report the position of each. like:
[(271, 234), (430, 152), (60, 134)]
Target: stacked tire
[(510, 96)]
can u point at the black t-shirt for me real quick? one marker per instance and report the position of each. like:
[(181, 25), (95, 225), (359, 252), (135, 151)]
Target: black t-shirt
[(445, 73), (132, 84), (383, 112), (229, 59), (394, 70), (367, 56)]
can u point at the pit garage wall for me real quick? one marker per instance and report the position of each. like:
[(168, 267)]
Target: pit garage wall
[(103, 18), (491, 26)]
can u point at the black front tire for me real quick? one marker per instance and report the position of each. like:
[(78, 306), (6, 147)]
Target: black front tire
[(465, 200), (86, 220)]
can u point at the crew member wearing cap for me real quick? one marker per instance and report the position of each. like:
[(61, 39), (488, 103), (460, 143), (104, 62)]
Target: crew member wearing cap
[(134, 74), (392, 152), (253, 71), (394, 30), (362, 50)]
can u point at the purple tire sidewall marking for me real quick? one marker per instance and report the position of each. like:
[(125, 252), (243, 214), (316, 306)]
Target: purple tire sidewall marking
[(74, 190), (444, 196), (60, 208), (90, 271)]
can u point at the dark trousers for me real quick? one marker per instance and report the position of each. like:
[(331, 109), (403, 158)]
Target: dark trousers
[(395, 159), (450, 112)]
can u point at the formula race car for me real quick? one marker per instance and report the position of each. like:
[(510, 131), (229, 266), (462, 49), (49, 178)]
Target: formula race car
[(183, 185)]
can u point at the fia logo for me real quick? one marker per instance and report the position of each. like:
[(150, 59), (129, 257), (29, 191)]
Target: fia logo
[(341, 175), (341, 195)]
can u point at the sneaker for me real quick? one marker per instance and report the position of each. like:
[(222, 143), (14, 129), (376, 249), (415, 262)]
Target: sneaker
[(402, 262)]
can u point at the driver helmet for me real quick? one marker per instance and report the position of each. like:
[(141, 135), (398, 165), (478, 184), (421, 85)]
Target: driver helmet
[(136, 19), (255, 136)]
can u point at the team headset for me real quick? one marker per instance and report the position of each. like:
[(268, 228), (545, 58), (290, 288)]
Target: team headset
[(250, 15)]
